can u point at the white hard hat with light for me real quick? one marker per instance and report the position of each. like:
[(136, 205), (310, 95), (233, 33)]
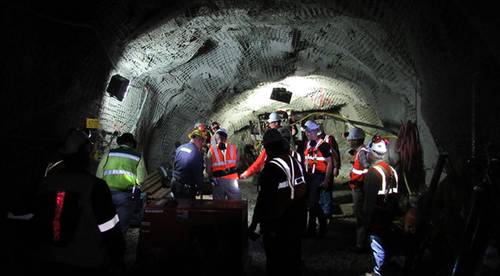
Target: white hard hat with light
[(274, 117)]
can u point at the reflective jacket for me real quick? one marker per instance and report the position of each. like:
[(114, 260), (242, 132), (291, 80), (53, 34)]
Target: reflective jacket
[(389, 182), (257, 165), (381, 201), (74, 211), (280, 205), (120, 170), (314, 159), (224, 166), (358, 171)]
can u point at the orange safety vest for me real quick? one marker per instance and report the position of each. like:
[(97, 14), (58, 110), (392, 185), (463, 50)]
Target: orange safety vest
[(314, 159), (389, 176), (224, 166), (358, 171)]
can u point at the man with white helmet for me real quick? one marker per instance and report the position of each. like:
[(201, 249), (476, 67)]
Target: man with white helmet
[(360, 166), (274, 122), (319, 167), (380, 204)]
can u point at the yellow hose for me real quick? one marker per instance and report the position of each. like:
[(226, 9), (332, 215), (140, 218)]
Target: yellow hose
[(340, 118)]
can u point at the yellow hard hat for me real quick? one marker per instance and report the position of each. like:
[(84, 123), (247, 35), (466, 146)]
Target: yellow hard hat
[(197, 133)]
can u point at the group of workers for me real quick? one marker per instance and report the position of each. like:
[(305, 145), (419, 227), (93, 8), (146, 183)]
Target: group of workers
[(294, 193)]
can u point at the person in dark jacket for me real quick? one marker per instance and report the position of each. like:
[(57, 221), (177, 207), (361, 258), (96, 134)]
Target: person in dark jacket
[(380, 205), (281, 207), (77, 223), (187, 176)]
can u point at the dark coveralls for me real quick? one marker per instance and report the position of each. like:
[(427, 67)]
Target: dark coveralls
[(281, 212), (187, 176)]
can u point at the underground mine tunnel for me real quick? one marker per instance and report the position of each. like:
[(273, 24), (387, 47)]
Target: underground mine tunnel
[(423, 75)]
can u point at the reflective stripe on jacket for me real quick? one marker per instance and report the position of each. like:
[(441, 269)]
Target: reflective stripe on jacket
[(314, 159), (358, 171), (293, 177), (86, 247), (120, 171), (224, 165), (389, 176)]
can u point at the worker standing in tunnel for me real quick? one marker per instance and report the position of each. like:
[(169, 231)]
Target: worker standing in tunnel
[(380, 205), (318, 163), (76, 219), (281, 207), (187, 175), (325, 195), (221, 163), (124, 170), (274, 122), (356, 139)]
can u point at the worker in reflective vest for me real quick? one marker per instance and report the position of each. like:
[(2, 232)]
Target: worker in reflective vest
[(360, 166), (280, 208), (380, 206), (319, 167), (222, 161), (123, 170)]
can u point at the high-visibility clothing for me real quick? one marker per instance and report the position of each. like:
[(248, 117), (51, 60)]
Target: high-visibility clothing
[(358, 171), (314, 159), (120, 171), (224, 163), (257, 165), (389, 177), (294, 177)]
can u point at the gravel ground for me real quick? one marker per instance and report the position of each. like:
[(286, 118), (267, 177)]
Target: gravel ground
[(321, 256)]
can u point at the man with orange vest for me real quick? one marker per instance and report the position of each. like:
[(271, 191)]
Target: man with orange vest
[(222, 161), (274, 121), (325, 196), (380, 206), (318, 163), (360, 166)]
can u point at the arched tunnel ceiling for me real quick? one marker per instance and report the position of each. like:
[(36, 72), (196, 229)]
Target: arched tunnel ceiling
[(204, 67)]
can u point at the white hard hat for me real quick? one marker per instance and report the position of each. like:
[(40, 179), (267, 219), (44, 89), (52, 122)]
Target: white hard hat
[(274, 117), (222, 131), (379, 148), (311, 125), (356, 133)]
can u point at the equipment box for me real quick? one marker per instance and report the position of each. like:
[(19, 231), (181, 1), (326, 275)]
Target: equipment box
[(197, 237)]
